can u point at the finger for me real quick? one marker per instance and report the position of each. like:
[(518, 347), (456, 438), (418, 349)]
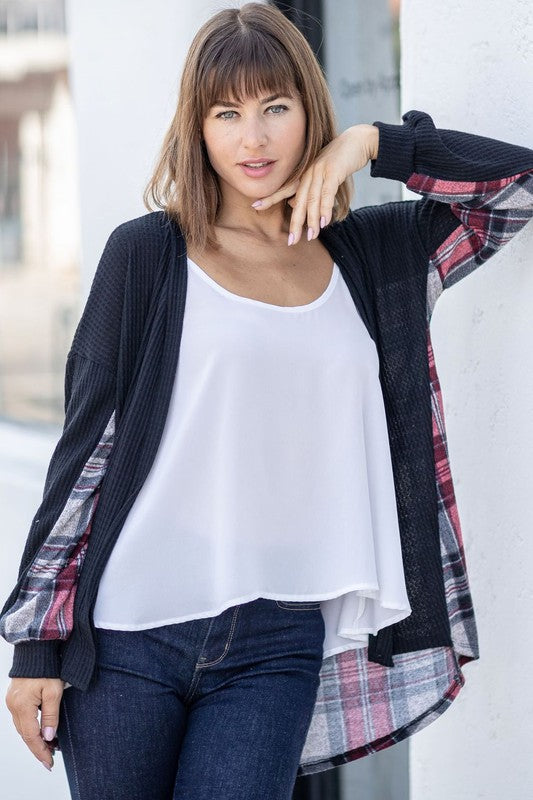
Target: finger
[(321, 200), (27, 725), (285, 191), (299, 213), (314, 201), (51, 698), (327, 198)]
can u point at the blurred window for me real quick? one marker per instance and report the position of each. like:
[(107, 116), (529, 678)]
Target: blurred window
[(39, 215), (36, 16)]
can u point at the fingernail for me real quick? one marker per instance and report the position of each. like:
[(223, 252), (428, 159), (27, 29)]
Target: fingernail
[(49, 734), (309, 234), (257, 204), (291, 239), (322, 221), (48, 767)]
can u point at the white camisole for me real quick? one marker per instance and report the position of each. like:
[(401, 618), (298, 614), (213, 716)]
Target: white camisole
[(273, 477)]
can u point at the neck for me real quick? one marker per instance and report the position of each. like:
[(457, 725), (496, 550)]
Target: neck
[(272, 224)]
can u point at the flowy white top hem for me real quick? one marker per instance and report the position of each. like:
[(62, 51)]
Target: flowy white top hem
[(337, 604)]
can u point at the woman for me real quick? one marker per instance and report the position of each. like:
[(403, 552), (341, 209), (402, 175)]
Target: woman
[(229, 554)]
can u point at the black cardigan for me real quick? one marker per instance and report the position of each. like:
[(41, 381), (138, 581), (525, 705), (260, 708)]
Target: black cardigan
[(396, 258)]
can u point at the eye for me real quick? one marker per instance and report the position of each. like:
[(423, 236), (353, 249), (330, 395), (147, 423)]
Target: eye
[(285, 108), (222, 113)]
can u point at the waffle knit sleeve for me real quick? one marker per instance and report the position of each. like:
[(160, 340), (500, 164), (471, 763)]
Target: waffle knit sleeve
[(476, 192), (36, 614)]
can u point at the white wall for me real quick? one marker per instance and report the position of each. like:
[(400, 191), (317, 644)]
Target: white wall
[(471, 68)]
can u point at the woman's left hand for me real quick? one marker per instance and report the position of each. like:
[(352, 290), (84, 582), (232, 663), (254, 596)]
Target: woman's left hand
[(314, 193)]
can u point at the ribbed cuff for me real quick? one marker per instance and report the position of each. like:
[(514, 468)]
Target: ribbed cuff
[(396, 152), (36, 659)]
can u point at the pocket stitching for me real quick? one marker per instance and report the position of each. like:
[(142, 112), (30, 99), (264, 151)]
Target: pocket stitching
[(298, 605)]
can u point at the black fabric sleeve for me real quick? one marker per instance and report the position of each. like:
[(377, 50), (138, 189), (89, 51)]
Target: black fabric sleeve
[(90, 393), (477, 192)]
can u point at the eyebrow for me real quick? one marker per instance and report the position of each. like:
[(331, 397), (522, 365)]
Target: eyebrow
[(227, 104)]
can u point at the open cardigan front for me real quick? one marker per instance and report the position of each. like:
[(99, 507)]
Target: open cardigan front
[(396, 258)]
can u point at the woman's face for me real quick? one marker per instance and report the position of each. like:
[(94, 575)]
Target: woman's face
[(269, 128)]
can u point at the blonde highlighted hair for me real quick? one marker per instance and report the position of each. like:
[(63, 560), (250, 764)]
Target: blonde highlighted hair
[(239, 52)]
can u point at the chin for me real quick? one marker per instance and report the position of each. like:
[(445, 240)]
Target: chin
[(263, 186)]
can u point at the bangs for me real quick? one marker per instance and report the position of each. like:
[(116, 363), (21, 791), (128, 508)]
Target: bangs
[(250, 65)]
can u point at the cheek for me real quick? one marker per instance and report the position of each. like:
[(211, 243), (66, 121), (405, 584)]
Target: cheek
[(297, 138), (218, 151), (212, 154), (298, 131)]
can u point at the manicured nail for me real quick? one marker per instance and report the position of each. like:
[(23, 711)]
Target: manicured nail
[(291, 239), (49, 734), (257, 204), (322, 221), (48, 767), (309, 234)]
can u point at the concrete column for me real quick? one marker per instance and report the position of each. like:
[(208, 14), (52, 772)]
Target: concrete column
[(471, 68)]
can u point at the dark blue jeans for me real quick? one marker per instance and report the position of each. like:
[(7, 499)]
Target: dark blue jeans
[(211, 709)]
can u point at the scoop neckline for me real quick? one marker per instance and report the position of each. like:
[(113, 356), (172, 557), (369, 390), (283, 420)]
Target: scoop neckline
[(252, 301)]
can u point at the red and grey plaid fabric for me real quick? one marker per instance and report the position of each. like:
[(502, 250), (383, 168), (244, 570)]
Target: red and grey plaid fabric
[(45, 602)]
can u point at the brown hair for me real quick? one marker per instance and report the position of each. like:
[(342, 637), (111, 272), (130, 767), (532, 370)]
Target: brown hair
[(238, 52)]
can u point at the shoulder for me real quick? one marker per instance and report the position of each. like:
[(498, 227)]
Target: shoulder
[(144, 232), (374, 221), (386, 230), (124, 280), (132, 258), (383, 240)]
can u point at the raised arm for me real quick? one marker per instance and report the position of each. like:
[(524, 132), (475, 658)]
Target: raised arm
[(477, 192)]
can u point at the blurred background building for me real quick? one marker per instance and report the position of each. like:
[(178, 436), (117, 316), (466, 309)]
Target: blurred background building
[(39, 210)]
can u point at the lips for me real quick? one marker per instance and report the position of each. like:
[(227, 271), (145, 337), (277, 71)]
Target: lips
[(257, 161), (257, 171)]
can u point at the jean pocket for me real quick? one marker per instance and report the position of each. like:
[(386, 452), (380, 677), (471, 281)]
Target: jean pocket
[(298, 605)]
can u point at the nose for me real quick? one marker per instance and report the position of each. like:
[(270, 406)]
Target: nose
[(254, 133)]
